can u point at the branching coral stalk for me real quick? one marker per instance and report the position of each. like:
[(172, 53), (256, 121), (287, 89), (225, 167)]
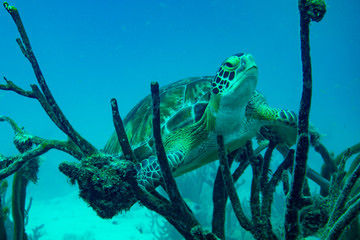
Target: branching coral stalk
[(220, 195), (3, 210), (176, 211), (299, 172), (18, 205), (219, 198), (309, 10), (259, 225), (10, 165), (52, 109), (329, 167), (344, 210), (27, 173), (310, 173), (338, 228), (153, 200), (343, 197), (10, 86), (349, 151), (185, 217), (230, 187), (169, 181), (121, 134), (255, 205)]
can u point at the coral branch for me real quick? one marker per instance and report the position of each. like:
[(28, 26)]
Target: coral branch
[(257, 166), (64, 124), (328, 159), (266, 167), (18, 205), (219, 198), (230, 188), (162, 206), (10, 86), (10, 165), (169, 181), (349, 151), (340, 203), (45, 105), (269, 187), (220, 194), (185, 221), (3, 210), (12, 123), (121, 134), (156, 203), (309, 10), (340, 225), (219, 201), (285, 165), (329, 167)]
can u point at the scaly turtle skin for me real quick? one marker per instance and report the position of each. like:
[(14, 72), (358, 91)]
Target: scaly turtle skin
[(194, 111)]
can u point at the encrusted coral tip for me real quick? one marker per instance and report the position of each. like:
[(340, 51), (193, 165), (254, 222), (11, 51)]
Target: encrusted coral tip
[(9, 8), (315, 9)]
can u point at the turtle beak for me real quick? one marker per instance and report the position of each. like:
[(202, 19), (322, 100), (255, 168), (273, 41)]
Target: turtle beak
[(244, 86), (247, 75)]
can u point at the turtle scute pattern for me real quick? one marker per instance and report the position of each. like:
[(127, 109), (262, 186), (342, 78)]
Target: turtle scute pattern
[(181, 104)]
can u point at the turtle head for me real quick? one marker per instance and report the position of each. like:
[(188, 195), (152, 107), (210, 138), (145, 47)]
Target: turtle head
[(235, 81), (233, 86)]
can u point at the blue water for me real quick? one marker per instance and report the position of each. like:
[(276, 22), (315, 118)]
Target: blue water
[(92, 51)]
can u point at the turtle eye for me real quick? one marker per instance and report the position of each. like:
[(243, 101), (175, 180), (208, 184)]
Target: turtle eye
[(232, 63), (229, 65)]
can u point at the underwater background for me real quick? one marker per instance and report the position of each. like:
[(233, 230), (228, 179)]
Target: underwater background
[(92, 51)]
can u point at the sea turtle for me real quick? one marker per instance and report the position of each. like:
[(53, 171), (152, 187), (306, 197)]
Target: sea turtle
[(194, 111)]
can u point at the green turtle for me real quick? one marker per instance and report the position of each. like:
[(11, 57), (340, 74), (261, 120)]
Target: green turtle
[(194, 111)]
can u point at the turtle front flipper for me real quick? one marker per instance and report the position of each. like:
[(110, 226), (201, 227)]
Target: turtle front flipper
[(149, 173), (282, 127), (278, 125)]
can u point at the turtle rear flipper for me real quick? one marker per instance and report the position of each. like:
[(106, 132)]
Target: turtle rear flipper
[(149, 173)]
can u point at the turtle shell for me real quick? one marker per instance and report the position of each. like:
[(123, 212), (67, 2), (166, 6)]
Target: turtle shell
[(181, 103)]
